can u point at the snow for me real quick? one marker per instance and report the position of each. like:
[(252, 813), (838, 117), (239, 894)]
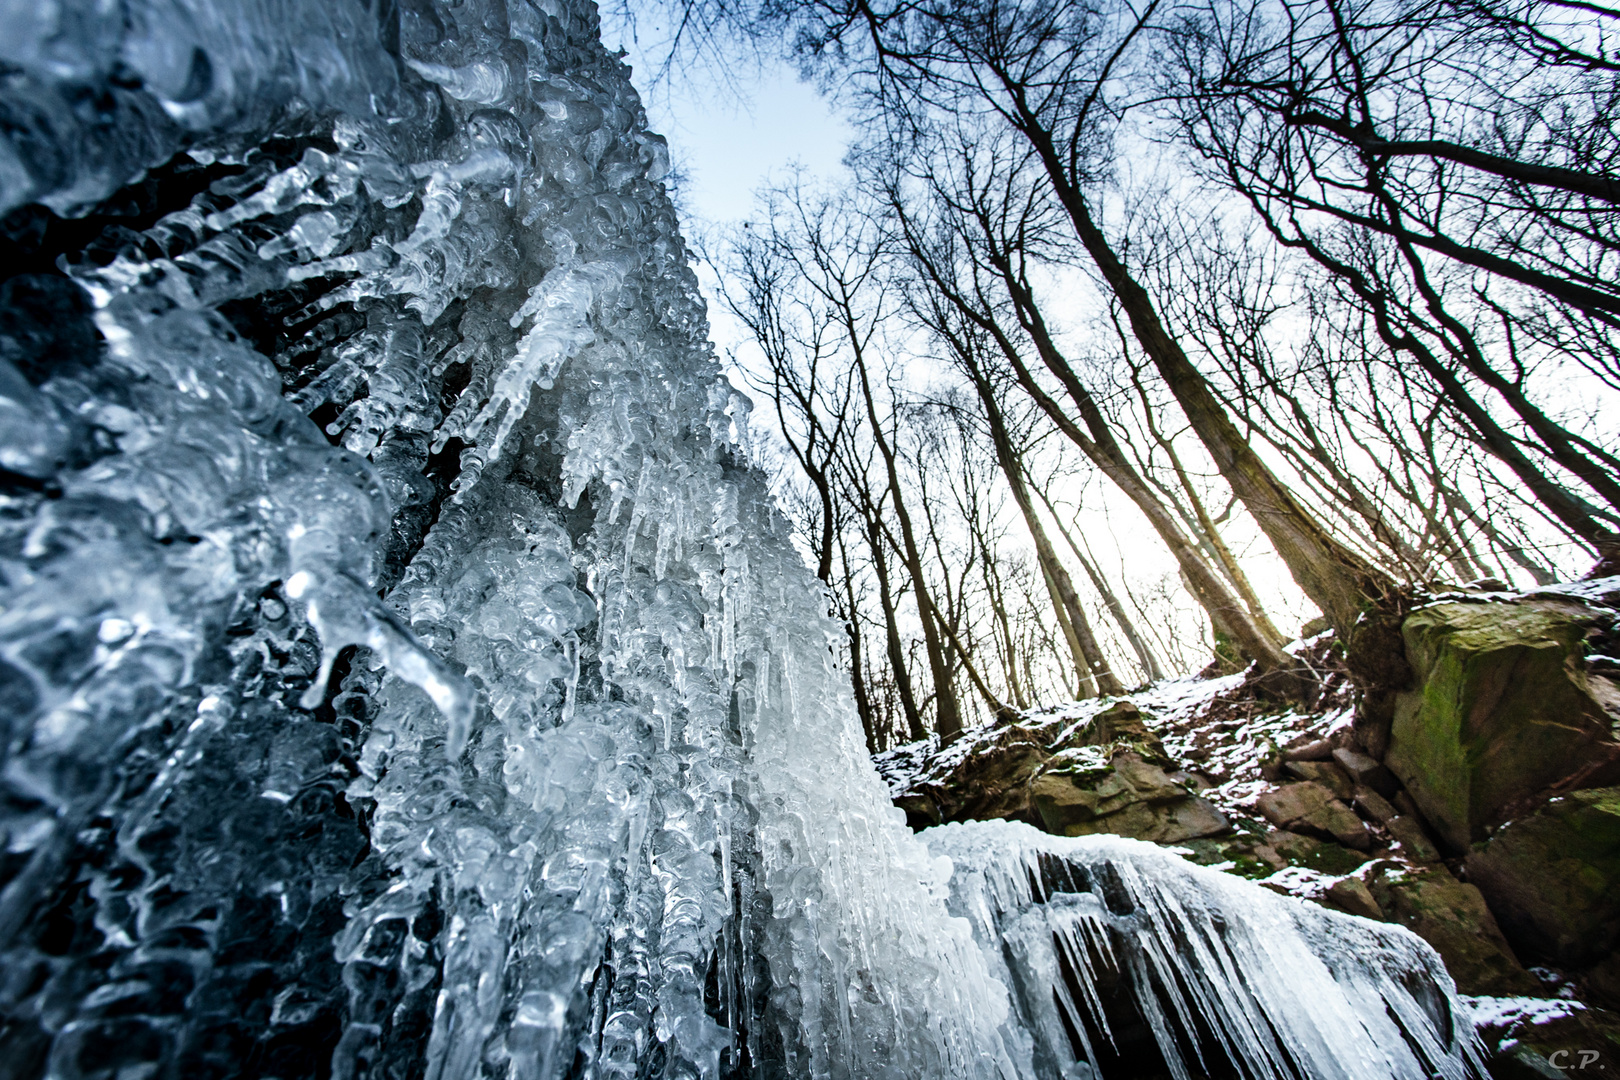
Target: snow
[(1498, 1013), (1602, 590)]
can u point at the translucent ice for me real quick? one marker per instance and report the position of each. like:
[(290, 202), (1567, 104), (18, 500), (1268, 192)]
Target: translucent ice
[(402, 671), (1099, 935)]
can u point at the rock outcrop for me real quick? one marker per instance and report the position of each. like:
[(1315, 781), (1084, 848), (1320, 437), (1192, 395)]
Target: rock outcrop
[(1453, 917), (1476, 804), (1553, 878), (1109, 774), (1085, 791), (1504, 712), (1506, 747)]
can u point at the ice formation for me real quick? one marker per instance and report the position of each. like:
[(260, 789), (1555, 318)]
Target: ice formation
[(1125, 960), (403, 674)]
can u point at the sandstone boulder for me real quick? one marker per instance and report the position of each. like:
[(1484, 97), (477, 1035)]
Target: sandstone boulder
[(1086, 790), (1351, 895), (1553, 878), (1325, 773), (1375, 805), (1311, 808), (1452, 917), (1504, 712), (992, 782), (1364, 771)]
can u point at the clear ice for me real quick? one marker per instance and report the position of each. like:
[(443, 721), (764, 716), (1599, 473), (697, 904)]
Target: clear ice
[(403, 673), (1123, 959)]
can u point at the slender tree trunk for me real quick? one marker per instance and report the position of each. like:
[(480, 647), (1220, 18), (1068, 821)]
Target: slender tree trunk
[(1085, 681), (1284, 673), (824, 555), (1139, 645), (998, 612), (1581, 518), (1351, 490), (1217, 544), (1538, 573), (947, 713), (897, 652), (1207, 585), (1064, 596), (857, 673), (1334, 577), (998, 708)]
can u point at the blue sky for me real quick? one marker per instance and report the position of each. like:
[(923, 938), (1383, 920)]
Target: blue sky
[(731, 139)]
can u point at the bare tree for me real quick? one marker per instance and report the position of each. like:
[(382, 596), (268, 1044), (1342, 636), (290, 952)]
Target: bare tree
[(1450, 166), (1047, 71), (835, 263), (973, 266)]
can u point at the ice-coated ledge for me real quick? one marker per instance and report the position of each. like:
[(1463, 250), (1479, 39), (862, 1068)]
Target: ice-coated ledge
[(1120, 955)]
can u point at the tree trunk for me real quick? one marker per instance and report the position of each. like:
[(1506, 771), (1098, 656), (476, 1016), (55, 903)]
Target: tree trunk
[(1085, 682), (1283, 672), (1334, 577), (1207, 585), (857, 674), (1206, 525), (1149, 660), (897, 653), (947, 713), (1064, 596)]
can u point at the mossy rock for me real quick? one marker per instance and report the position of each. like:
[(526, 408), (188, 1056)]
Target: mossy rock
[(1121, 726), (1088, 790), (1453, 918), (1503, 713), (1239, 854), (1553, 878), (1323, 856)]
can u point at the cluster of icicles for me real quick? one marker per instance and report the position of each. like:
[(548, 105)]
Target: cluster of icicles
[(589, 797)]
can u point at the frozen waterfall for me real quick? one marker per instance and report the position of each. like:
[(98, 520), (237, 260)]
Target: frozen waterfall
[(404, 674)]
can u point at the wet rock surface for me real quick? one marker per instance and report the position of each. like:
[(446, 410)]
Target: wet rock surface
[(1554, 876), (1452, 917)]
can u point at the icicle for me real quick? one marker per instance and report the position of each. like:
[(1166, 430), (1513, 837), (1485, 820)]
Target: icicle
[(1241, 977), (578, 798)]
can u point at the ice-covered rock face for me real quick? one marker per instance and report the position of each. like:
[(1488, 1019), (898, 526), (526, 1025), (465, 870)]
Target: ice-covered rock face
[(402, 674), (1126, 961), (590, 798)]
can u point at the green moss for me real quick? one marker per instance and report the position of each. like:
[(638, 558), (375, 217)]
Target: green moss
[(1335, 860), (1554, 877), (1233, 855), (1497, 715)]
